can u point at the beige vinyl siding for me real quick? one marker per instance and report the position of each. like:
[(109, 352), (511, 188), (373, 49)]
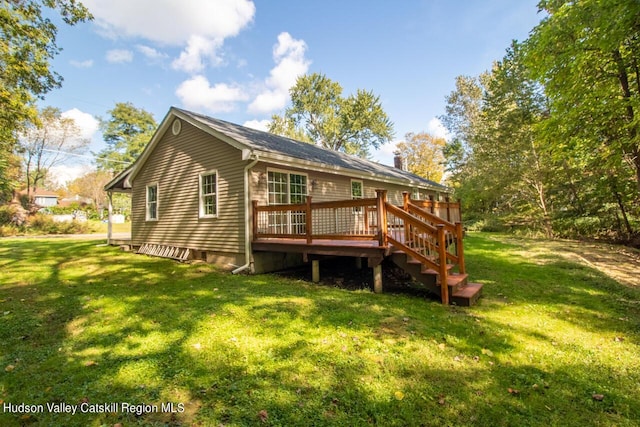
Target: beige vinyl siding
[(324, 186), (175, 166)]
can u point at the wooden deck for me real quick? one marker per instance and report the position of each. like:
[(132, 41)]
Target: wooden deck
[(415, 238)]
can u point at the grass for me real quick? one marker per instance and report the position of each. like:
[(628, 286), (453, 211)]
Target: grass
[(86, 323)]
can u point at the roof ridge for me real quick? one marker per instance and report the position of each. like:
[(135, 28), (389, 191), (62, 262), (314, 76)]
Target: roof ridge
[(305, 150)]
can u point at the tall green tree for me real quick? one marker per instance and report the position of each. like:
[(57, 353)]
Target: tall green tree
[(126, 132), (27, 46), (498, 159), (319, 113), (587, 53)]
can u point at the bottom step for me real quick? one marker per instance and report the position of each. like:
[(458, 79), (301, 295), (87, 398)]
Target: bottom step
[(467, 295)]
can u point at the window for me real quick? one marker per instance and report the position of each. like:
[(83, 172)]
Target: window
[(287, 188), (152, 202), (356, 193), (209, 194), (415, 194)]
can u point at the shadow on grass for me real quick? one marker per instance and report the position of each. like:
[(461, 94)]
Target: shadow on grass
[(96, 324)]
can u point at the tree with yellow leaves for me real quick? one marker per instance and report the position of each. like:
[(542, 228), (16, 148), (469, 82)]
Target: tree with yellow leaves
[(423, 155)]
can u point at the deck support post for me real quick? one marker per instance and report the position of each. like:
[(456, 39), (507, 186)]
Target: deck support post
[(377, 279), (358, 263), (315, 271), (109, 217)]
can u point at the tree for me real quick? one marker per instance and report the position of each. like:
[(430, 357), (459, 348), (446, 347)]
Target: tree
[(423, 153), (498, 159), (320, 114), (27, 46), (587, 53), (126, 133), (47, 144), (91, 185)]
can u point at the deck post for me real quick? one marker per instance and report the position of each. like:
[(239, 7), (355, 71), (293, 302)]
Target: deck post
[(405, 206), (309, 221), (109, 217), (460, 247), (381, 196), (315, 271), (377, 279), (448, 208), (442, 255)]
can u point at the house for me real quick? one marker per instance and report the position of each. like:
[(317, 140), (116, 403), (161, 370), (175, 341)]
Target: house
[(201, 186), (43, 198)]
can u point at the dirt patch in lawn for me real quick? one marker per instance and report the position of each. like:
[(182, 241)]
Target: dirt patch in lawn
[(620, 263)]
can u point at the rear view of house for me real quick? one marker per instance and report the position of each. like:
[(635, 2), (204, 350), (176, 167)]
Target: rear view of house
[(208, 189)]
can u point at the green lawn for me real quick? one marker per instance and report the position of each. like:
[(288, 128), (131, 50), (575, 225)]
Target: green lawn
[(86, 323)]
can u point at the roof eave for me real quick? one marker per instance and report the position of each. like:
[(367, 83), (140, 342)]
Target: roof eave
[(284, 160)]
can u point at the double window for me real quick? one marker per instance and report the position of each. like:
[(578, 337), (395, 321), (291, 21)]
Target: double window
[(152, 202), (287, 188), (208, 198)]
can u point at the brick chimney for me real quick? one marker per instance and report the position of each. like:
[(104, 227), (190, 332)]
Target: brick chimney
[(398, 161)]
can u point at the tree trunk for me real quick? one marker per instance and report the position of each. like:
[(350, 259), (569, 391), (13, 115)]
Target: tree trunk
[(623, 211)]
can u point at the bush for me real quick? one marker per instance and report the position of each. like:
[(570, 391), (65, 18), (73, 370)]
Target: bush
[(487, 223), (12, 214), (44, 224)]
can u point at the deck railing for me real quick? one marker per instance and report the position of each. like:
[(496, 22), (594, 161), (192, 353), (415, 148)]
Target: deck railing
[(339, 220), (421, 229)]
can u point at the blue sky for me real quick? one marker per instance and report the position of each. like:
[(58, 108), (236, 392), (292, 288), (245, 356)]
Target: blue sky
[(236, 59)]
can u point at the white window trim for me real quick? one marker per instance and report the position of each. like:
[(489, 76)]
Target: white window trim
[(415, 191), (146, 199), (288, 172), (200, 195)]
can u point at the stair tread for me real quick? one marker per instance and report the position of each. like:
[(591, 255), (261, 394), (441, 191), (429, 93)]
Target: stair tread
[(468, 291)]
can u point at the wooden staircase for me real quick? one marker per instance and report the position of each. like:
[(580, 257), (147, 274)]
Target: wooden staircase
[(430, 249)]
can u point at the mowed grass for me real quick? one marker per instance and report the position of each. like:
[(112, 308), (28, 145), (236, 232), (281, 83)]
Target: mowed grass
[(550, 343)]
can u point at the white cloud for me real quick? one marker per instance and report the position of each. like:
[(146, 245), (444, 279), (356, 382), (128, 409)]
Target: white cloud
[(199, 49), (262, 125), (171, 22), (385, 154), (82, 64), (86, 122), (151, 53), (117, 56), (201, 25), (437, 129), (289, 56), (197, 93), (63, 174)]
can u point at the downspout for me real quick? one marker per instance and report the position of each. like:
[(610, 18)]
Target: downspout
[(247, 217)]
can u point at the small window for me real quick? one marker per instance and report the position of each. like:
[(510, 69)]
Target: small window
[(209, 195), (152, 202), (415, 194), (356, 193)]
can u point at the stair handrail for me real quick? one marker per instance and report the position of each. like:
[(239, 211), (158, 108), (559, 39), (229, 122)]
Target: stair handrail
[(438, 233), (420, 226), (456, 229)]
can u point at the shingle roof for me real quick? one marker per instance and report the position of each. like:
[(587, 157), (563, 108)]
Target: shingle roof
[(264, 141)]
